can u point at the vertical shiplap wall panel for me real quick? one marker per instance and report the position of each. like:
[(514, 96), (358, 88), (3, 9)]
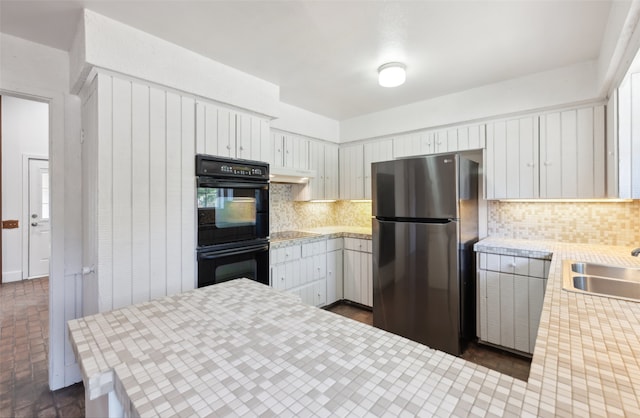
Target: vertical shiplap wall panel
[(122, 194), (634, 121), (104, 161), (211, 145), (174, 193), (624, 142), (157, 193), (140, 193), (599, 152), (200, 127), (188, 195)]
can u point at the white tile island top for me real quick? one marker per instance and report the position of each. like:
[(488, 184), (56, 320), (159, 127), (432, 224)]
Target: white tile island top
[(243, 349)]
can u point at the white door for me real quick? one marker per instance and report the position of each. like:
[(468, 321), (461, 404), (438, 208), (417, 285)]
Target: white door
[(39, 226)]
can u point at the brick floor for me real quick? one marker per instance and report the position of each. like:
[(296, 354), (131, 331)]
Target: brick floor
[(24, 362), (492, 358)]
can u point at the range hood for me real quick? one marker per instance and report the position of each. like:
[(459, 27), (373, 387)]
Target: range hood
[(290, 175)]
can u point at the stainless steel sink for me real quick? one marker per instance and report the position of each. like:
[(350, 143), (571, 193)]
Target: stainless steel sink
[(601, 280)]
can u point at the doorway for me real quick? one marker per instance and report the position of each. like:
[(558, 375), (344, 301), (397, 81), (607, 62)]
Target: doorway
[(24, 127)]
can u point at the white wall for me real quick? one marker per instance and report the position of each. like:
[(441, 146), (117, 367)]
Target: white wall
[(300, 121), (32, 70), (25, 131), (109, 44), (558, 87)]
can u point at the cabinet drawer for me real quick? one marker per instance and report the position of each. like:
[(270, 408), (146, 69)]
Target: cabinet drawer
[(314, 248), (356, 244), (335, 244), (284, 254), (522, 266)]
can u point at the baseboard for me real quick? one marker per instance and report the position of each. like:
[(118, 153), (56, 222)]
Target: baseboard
[(11, 276)]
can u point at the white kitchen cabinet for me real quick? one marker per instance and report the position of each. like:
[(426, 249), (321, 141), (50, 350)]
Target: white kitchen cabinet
[(511, 166), (460, 138), (555, 155), (139, 215), (572, 153), (229, 133), (334, 270), (323, 159), (289, 151), (510, 294), (358, 274), (351, 172), (301, 269), (355, 167)]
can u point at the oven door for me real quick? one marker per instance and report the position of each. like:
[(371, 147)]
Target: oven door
[(217, 266), (231, 211)]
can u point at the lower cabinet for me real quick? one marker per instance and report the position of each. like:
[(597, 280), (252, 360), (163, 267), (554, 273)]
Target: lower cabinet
[(301, 269), (510, 294), (334, 270), (358, 274)]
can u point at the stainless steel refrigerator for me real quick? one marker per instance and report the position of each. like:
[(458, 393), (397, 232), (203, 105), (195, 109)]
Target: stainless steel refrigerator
[(425, 224)]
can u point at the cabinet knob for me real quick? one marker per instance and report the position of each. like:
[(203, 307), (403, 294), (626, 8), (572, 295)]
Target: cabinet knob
[(547, 163), (531, 164), (241, 148), (228, 146)]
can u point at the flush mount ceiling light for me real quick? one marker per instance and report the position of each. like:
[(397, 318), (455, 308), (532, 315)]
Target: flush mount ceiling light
[(392, 74)]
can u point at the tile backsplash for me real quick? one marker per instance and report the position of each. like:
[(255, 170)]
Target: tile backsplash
[(289, 215), (588, 223)]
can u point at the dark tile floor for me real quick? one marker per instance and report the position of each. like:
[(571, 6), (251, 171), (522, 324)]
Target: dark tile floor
[(24, 348), (492, 358)]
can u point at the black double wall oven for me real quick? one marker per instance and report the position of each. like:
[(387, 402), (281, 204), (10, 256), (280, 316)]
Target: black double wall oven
[(233, 219)]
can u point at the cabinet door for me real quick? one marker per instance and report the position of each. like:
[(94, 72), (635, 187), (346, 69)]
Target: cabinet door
[(331, 185), (206, 128), (277, 149), (334, 276), (471, 137), (521, 313), (493, 307), (366, 279), (512, 159), (252, 138), (317, 162), (226, 133), (507, 306), (351, 267), (406, 145), (351, 172), (572, 153), (296, 152), (536, 300), (374, 152), (481, 310)]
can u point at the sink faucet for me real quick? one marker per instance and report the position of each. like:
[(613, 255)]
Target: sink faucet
[(635, 252)]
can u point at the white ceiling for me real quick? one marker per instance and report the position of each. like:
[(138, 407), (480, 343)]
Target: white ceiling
[(324, 54)]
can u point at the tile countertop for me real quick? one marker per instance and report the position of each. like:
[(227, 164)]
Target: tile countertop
[(243, 348), (279, 239), (586, 360)]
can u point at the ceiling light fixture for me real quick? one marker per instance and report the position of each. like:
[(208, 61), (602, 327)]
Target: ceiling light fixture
[(392, 74)]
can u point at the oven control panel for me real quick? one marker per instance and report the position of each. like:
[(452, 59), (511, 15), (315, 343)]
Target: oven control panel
[(213, 166)]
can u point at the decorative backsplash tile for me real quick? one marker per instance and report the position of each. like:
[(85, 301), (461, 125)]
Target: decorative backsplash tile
[(587, 223), (289, 215)]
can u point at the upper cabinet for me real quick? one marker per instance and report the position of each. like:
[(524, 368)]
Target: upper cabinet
[(229, 133), (323, 159), (572, 154), (355, 167), (556, 155), (511, 165), (460, 138), (289, 151)]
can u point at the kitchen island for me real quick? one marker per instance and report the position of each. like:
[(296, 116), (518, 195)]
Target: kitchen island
[(242, 348)]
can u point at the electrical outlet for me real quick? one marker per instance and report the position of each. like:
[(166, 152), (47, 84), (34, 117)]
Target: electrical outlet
[(10, 224)]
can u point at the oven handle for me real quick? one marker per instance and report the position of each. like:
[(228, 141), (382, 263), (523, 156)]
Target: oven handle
[(227, 253), (228, 185)]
